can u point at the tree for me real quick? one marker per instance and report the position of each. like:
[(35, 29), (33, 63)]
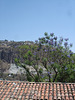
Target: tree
[(54, 56)]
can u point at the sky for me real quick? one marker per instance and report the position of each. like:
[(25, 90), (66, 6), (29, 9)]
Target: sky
[(27, 20)]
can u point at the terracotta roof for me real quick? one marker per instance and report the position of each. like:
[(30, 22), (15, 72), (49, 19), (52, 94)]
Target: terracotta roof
[(17, 90)]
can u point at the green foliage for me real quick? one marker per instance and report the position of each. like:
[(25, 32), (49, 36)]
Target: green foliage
[(29, 53), (46, 34), (24, 47), (53, 55), (40, 70), (25, 56), (16, 60), (36, 78), (44, 61), (28, 62), (29, 78)]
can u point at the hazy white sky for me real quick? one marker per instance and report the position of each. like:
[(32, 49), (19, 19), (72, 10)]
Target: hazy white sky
[(23, 20)]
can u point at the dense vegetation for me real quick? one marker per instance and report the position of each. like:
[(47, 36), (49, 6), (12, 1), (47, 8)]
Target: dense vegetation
[(51, 58)]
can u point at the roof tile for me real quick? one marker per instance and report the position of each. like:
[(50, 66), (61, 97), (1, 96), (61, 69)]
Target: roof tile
[(17, 90)]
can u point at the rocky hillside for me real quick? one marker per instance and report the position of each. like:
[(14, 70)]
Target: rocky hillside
[(9, 50)]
